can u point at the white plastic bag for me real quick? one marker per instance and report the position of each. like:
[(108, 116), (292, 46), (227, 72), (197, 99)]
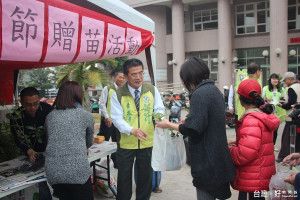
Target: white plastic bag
[(280, 189), (168, 152), (101, 186)]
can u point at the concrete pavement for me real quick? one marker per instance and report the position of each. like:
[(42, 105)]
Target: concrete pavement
[(177, 185)]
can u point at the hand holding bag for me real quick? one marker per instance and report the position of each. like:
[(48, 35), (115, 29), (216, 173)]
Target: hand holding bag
[(168, 151)]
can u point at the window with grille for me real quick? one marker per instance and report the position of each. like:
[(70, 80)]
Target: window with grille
[(294, 61), (252, 18), (293, 14), (208, 57), (205, 19)]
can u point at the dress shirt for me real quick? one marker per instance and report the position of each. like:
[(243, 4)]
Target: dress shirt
[(230, 97), (117, 110), (103, 101)]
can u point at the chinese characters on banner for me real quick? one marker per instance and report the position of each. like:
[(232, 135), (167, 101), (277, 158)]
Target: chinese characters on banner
[(92, 38), (30, 36), (63, 35), (115, 41), (23, 30), (133, 41)]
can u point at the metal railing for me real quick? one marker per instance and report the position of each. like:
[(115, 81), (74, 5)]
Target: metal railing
[(175, 88)]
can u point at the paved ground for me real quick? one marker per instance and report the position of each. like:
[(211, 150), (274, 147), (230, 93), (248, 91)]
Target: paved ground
[(177, 185)]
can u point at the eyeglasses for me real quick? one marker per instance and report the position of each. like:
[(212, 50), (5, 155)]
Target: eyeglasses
[(135, 75), (35, 104)]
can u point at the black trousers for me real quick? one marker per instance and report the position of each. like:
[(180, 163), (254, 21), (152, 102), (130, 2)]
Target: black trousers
[(275, 136), (74, 191), (285, 141), (44, 191), (125, 160), (108, 132)]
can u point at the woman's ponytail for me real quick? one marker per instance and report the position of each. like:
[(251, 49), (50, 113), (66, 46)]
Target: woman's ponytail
[(260, 103)]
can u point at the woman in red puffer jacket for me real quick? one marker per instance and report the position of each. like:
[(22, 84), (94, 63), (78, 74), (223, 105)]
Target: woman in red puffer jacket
[(253, 153)]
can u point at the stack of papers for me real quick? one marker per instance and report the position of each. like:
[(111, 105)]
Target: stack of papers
[(11, 177)]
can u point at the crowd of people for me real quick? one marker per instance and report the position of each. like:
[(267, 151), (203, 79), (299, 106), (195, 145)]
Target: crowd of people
[(127, 107), (282, 101)]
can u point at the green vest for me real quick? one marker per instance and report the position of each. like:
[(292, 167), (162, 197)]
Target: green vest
[(111, 90), (241, 76), (280, 112), (239, 109), (137, 119)]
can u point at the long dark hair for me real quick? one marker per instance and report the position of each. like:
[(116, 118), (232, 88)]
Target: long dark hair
[(258, 102), (270, 86), (69, 94), (193, 72)]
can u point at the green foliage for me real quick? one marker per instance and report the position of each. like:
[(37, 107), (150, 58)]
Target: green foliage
[(114, 64), (280, 84), (121, 61), (109, 63), (34, 133), (46, 86), (85, 73), (174, 133), (21, 80), (43, 78), (35, 196), (89, 74), (158, 116), (8, 148)]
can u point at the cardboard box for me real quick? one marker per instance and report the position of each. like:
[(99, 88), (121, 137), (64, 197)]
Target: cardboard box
[(99, 139)]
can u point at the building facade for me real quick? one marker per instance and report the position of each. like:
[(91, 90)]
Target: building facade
[(226, 34)]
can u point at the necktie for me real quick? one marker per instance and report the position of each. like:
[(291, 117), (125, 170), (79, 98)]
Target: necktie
[(137, 99)]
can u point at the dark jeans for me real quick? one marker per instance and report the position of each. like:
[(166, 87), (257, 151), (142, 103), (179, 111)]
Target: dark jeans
[(74, 191), (44, 191), (125, 159), (108, 132), (243, 196)]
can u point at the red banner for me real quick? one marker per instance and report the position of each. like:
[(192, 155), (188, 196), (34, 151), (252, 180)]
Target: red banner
[(41, 33), (45, 33)]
